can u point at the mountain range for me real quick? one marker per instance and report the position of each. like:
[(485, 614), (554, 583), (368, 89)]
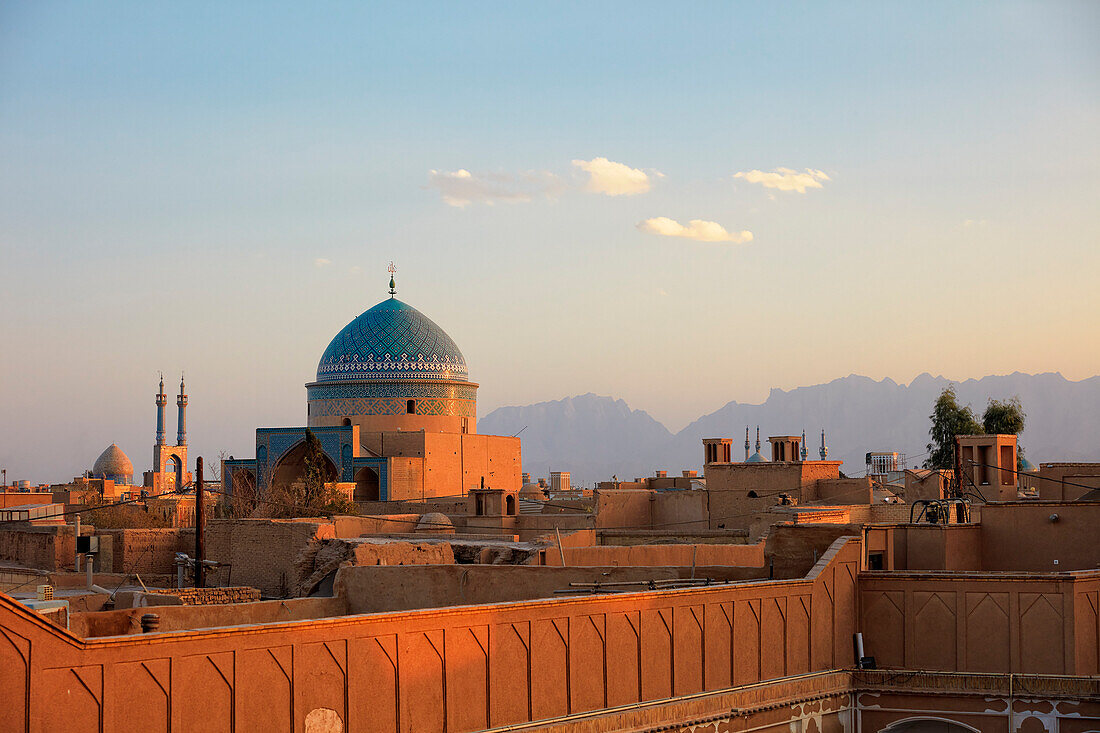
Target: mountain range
[(597, 437)]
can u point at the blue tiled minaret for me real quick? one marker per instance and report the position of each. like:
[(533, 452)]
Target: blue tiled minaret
[(162, 400), (181, 403), (824, 452), (746, 443), (805, 451)]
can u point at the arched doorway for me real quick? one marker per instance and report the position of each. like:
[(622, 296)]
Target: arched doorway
[(510, 505), (291, 468), (173, 467), (366, 485)]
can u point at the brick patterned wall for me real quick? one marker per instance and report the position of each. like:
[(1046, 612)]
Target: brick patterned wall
[(213, 596)]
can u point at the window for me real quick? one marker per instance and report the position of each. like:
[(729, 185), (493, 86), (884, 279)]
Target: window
[(410, 407), (874, 561)]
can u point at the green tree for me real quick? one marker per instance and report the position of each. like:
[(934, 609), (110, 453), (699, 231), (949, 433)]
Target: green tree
[(949, 419), (1003, 418)]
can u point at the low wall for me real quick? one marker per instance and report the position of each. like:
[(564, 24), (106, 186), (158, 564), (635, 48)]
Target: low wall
[(982, 622), (181, 618), (456, 669), (661, 555), (348, 526), (651, 536), (378, 589), (213, 596)]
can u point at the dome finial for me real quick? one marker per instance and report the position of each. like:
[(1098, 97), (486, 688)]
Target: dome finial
[(393, 285)]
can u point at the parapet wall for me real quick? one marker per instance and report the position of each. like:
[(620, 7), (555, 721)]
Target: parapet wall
[(456, 669), (661, 555)]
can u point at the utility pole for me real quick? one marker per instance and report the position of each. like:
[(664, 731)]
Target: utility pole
[(200, 526)]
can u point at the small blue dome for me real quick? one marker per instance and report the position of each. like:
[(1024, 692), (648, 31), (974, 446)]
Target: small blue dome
[(1026, 465), (392, 340), (756, 458)]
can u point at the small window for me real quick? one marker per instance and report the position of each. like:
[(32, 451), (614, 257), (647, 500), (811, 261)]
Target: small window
[(875, 561), (347, 422), (410, 407)]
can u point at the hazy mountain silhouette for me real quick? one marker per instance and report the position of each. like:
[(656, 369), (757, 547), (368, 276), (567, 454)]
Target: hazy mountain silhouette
[(596, 437)]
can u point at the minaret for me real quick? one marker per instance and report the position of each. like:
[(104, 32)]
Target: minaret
[(181, 403), (162, 400), (824, 452), (746, 443), (757, 438), (805, 451)]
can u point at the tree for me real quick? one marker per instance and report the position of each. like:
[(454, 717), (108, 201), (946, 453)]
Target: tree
[(1003, 418), (948, 420)]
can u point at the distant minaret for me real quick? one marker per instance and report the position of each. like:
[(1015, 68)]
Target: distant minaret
[(162, 400), (805, 451), (824, 452), (746, 443), (757, 438), (181, 403)]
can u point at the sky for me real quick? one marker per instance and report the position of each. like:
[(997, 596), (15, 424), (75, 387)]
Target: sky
[(677, 204)]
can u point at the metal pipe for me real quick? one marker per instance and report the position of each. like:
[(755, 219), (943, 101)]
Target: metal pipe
[(200, 526)]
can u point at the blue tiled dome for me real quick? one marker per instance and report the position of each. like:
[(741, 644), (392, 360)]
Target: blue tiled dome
[(392, 340), (757, 458)]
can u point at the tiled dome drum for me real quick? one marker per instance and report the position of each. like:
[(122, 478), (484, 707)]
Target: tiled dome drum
[(392, 340), (393, 368)]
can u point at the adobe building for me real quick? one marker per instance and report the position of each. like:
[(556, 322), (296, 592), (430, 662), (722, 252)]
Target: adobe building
[(1067, 481), (988, 463), (395, 413), (739, 489)]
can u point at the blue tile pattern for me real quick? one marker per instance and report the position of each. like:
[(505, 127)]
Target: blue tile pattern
[(392, 340), (404, 389)]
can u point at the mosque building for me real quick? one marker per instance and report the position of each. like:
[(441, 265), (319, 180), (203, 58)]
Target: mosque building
[(395, 413)]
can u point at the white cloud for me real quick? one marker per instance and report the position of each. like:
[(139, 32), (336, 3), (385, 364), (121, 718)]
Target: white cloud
[(321, 262), (697, 229), (461, 188), (615, 179), (786, 179)]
